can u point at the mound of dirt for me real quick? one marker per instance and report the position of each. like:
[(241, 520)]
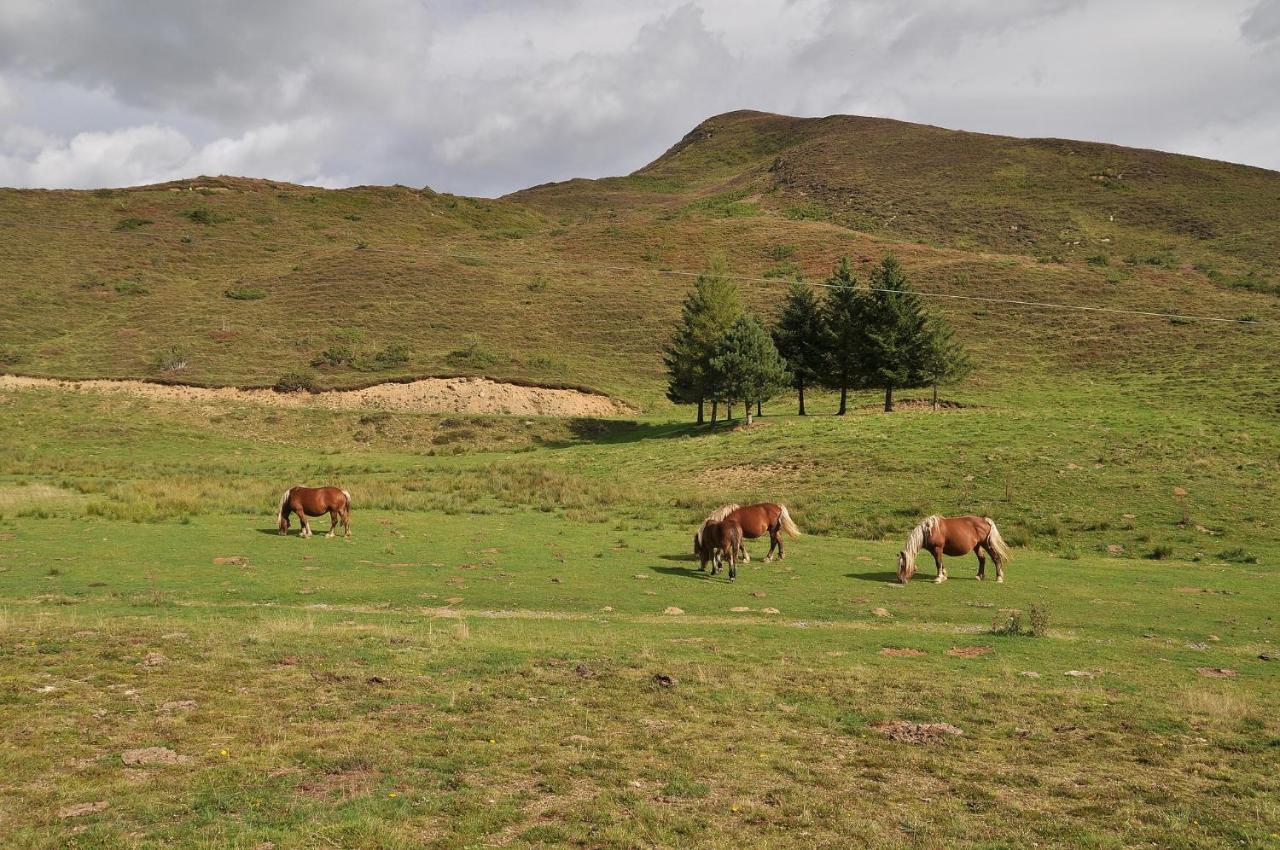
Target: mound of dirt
[(429, 395)]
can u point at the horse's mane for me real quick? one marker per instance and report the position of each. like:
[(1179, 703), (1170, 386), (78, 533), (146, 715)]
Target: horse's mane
[(715, 516), (916, 539), (283, 500)]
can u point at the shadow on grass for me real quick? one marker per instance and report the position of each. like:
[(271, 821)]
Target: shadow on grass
[(685, 572), (889, 577), (690, 559)]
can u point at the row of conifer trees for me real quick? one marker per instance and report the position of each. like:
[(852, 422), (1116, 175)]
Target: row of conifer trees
[(853, 337)]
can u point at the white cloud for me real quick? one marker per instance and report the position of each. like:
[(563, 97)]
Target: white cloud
[(487, 97)]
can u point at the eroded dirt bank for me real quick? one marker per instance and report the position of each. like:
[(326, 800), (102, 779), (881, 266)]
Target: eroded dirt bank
[(430, 395)]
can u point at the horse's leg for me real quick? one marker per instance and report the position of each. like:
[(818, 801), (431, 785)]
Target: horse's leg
[(733, 565), (346, 522), (742, 550), (942, 571), (306, 526), (982, 562), (999, 565)]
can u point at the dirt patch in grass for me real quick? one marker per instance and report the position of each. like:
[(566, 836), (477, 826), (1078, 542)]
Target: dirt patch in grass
[(968, 651), (153, 755), (916, 733), (1217, 672), (429, 395), (342, 785), (902, 652)]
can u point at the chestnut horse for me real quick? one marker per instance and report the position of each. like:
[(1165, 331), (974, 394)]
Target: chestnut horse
[(717, 539), (755, 520), (315, 501), (957, 535)]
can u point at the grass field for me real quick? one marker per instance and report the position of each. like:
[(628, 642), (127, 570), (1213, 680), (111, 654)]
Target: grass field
[(515, 649), (477, 667)]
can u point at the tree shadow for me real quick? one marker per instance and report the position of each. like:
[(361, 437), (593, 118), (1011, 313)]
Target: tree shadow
[(888, 577), (620, 431)]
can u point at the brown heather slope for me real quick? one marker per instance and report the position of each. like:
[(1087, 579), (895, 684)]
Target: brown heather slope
[(236, 281)]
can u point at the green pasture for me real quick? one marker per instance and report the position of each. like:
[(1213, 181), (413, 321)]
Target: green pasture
[(483, 663)]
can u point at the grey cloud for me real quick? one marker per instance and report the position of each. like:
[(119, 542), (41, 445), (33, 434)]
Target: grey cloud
[(484, 98)]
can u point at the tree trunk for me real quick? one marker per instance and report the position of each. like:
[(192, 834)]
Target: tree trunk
[(935, 396), (888, 399), (746, 409), (715, 405), (844, 396), (801, 399), (700, 417), (759, 412), (728, 411)]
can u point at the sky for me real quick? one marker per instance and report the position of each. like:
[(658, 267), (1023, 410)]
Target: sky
[(480, 97)]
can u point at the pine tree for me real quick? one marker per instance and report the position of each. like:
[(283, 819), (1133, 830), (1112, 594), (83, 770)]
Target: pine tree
[(843, 344), (799, 337), (747, 366), (708, 313), (896, 333), (945, 359)]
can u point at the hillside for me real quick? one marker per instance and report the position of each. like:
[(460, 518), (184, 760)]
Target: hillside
[(238, 281)]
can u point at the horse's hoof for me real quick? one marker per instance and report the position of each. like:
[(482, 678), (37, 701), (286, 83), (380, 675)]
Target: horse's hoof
[(979, 578), (1000, 580), (330, 534), (939, 580)]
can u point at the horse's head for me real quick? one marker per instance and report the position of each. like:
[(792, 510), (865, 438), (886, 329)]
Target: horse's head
[(697, 543), (906, 567), (282, 522)]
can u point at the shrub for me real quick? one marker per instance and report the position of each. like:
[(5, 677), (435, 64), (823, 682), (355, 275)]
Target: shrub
[(131, 287), (1160, 553), (395, 354), (1098, 260), (292, 382), (10, 356), (333, 356), (171, 358), (245, 293), (1007, 623), (352, 216), (1238, 555), (778, 253), (473, 356), (1039, 619), (204, 215), (132, 223)]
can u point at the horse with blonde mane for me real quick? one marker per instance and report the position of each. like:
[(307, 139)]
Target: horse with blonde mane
[(958, 535), (755, 521), (315, 501)]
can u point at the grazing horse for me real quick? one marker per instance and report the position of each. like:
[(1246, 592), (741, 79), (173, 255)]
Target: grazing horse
[(755, 520), (717, 539), (315, 501), (957, 535)]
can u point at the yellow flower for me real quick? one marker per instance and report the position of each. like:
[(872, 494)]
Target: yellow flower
[(222, 752), (393, 794)]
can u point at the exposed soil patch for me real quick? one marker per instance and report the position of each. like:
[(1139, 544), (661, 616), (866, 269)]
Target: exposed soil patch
[(344, 785), (153, 755), (902, 652), (968, 651), (430, 395), (82, 809), (916, 733), (1217, 672)]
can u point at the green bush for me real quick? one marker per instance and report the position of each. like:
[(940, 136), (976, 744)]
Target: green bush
[(204, 215), (245, 293), (1160, 553), (473, 356), (132, 223), (131, 287), (171, 358), (1238, 556), (292, 382), (394, 355), (334, 356)]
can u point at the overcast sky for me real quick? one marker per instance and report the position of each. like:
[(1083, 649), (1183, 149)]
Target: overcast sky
[(485, 97)]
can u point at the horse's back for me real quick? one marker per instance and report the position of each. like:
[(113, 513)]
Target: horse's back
[(756, 519), (961, 533)]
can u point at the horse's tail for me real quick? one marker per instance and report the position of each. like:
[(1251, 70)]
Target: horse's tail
[(784, 519), (348, 495), (284, 503), (996, 543)]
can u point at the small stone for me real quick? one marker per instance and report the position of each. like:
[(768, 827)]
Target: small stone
[(673, 610), (770, 611), (881, 612), (607, 608), (1030, 674), (739, 609), (1115, 549), (154, 659), (1079, 674), (758, 594)]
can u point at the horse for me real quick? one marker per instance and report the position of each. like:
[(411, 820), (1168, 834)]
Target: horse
[(717, 539), (755, 520), (315, 501), (957, 535)]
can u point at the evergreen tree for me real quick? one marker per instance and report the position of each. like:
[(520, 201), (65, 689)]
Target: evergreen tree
[(708, 313), (747, 366), (843, 332), (945, 359), (896, 335), (799, 337)]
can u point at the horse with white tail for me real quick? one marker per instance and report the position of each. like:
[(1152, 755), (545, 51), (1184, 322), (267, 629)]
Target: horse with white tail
[(957, 535), (755, 521), (315, 501)]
